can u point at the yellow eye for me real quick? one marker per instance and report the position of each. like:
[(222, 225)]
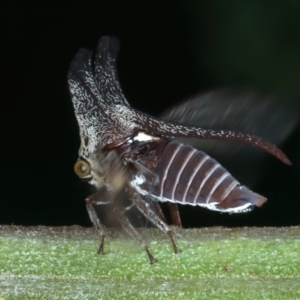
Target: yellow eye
[(82, 168)]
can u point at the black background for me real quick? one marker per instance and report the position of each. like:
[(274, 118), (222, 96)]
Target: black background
[(169, 50)]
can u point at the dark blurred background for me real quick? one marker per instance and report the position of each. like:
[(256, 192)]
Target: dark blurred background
[(169, 51)]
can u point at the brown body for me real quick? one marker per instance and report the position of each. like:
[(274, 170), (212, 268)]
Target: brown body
[(124, 151)]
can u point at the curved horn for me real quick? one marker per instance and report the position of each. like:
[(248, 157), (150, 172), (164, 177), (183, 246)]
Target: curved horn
[(161, 128)]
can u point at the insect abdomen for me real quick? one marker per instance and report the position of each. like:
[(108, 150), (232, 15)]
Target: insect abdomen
[(189, 176)]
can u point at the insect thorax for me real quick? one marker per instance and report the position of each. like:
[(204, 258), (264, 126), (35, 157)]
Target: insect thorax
[(108, 169)]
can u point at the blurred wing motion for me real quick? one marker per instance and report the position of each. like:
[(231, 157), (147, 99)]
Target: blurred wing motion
[(271, 116)]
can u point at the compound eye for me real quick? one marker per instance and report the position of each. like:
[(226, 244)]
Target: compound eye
[(82, 168)]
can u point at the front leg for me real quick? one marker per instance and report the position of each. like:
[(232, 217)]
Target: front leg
[(90, 202)]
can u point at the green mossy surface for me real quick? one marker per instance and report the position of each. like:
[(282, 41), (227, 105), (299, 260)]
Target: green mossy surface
[(215, 263)]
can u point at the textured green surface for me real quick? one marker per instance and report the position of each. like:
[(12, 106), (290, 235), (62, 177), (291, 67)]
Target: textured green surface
[(215, 263)]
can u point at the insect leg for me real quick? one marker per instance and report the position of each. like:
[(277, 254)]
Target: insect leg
[(130, 230), (90, 202), (145, 209), (175, 216), (155, 207), (153, 179)]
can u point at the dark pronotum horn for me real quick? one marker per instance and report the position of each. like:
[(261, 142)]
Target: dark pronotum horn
[(247, 138), (172, 130)]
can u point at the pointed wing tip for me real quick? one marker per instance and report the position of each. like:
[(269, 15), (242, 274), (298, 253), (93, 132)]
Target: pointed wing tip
[(286, 161), (280, 155), (274, 150)]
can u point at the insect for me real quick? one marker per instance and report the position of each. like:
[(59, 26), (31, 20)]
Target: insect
[(127, 152)]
